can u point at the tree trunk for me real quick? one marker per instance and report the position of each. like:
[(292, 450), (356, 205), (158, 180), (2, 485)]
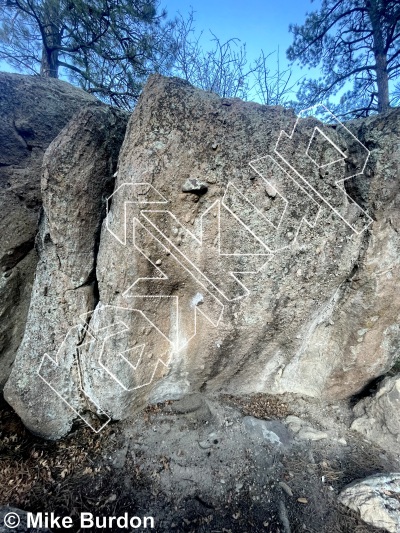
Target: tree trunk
[(51, 37), (382, 80), (382, 77), (49, 63)]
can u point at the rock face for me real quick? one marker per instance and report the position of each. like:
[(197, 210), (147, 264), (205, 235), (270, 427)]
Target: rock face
[(33, 111), (269, 277), (377, 499), (378, 417), (78, 170)]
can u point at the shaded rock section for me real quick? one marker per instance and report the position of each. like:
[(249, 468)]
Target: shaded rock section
[(78, 170), (366, 321), (378, 417), (33, 112)]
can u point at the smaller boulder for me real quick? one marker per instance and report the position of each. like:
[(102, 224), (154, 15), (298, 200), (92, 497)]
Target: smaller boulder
[(376, 499)]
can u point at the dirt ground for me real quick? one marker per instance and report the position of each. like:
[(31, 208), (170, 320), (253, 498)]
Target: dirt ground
[(197, 465)]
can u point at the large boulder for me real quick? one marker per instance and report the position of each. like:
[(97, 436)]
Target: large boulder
[(33, 111), (320, 315), (213, 274)]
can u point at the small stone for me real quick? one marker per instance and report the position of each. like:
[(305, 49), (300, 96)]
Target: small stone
[(309, 433), (205, 444), (158, 262), (270, 191), (294, 422), (195, 186), (302, 500), (286, 488), (214, 146)]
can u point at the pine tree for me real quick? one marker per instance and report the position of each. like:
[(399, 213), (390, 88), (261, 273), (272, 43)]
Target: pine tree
[(108, 47), (355, 41)]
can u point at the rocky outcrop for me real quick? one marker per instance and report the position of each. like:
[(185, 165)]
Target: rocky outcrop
[(33, 111), (376, 499), (378, 417), (78, 170), (233, 258)]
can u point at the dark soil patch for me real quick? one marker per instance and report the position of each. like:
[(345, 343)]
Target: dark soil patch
[(79, 473)]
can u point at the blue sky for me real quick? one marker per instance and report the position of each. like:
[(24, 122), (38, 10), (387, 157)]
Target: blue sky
[(261, 24)]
